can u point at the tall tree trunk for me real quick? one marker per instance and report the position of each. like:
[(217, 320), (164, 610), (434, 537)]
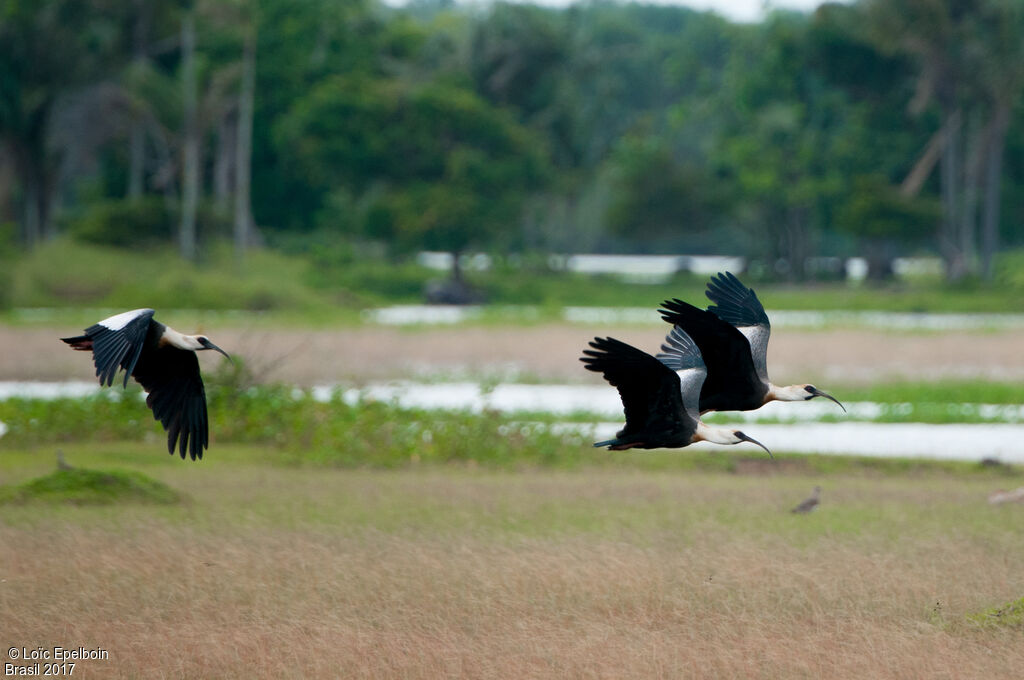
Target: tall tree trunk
[(137, 133), (796, 242), (190, 159), (993, 184), (948, 242), (243, 147), (223, 164), (968, 227), (136, 160), (32, 219), (7, 179), (29, 157)]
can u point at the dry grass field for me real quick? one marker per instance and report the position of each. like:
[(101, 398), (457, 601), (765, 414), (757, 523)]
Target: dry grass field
[(450, 572)]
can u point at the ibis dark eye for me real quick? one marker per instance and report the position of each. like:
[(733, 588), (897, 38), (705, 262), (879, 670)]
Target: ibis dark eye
[(811, 388)]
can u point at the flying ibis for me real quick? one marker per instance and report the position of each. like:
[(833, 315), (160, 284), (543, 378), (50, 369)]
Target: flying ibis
[(164, 362), (658, 396), (733, 336), (809, 503)]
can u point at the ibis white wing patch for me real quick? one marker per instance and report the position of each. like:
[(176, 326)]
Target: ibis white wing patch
[(680, 353), (119, 321), (758, 336)]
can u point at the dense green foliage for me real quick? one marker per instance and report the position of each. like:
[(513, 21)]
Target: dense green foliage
[(602, 126)]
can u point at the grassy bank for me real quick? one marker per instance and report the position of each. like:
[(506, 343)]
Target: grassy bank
[(302, 429), (324, 290)]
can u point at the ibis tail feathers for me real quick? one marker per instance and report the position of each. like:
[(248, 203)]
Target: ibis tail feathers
[(82, 343)]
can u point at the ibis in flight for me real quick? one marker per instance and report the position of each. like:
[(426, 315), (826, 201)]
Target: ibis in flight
[(164, 362), (732, 336), (659, 396)]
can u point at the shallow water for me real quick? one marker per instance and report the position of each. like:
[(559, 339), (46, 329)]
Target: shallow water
[(798, 433), (905, 321), (1000, 442)]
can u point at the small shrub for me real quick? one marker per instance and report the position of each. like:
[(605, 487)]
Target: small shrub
[(125, 223), (91, 487)]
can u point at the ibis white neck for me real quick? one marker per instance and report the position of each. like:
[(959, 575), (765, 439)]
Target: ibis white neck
[(181, 341), (787, 393), (715, 435)]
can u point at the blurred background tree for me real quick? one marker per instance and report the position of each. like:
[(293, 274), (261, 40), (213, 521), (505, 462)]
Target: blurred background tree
[(513, 128)]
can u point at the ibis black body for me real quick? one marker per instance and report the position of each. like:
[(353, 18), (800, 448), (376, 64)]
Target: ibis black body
[(732, 336), (164, 362), (650, 393), (659, 395), (732, 383)]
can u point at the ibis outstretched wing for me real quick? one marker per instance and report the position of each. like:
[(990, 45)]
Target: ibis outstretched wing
[(739, 305), (177, 397), (115, 342), (731, 374), (649, 390)]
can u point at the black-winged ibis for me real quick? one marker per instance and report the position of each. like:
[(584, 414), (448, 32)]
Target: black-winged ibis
[(658, 396), (164, 362), (732, 336)]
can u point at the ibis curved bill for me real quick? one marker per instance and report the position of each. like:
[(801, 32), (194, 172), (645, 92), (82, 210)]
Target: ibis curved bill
[(732, 335), (659, 395), (164, 362)]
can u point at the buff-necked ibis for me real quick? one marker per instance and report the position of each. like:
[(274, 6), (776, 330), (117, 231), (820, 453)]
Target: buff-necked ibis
[(658, 396), (732, 335), (164, 362)]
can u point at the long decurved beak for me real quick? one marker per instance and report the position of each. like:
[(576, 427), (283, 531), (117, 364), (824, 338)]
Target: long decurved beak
[(753, 441), (209, 345), (818, 393)]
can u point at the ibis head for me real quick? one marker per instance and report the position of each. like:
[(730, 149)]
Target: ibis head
[(206, 344), (195, 343), (724, 435), (798, 393)]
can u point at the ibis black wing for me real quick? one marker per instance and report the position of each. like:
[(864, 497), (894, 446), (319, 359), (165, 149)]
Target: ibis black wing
[(739, 305), (177, 397), (649, 390), (115, 343), (732, 382)]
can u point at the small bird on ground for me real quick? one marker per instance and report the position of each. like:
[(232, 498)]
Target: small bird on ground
[(61, 463), (659, 395), (809, 503), (733, 337), (164, 362)]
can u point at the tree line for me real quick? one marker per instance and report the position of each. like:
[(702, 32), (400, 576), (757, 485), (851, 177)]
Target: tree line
[(879, 128)]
